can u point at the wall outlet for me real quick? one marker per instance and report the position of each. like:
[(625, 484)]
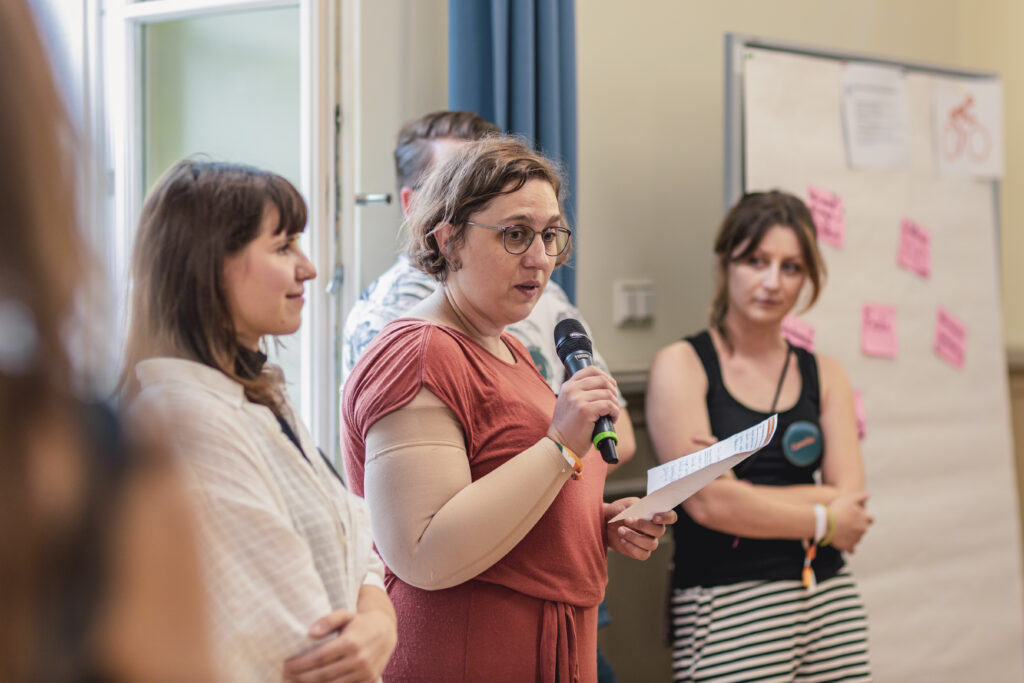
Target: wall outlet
[(633, 302)]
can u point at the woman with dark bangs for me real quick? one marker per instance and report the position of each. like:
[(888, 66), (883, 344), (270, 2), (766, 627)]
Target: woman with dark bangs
[(761, 591), (296, 588)]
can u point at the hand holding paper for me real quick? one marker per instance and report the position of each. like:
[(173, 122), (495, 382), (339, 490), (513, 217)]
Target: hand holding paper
[(635, 538), (670, 484)]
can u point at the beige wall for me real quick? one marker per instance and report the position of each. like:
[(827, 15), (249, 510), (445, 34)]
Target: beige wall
[(651, 135), (651, 127), (992, 28)]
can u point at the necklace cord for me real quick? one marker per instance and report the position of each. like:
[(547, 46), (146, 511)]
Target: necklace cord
[(782, 379)]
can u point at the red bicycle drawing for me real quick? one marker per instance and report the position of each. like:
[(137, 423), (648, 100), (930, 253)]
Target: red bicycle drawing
[(964, 133)]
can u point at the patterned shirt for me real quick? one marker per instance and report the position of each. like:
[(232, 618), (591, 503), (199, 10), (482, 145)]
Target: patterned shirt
[(283, 542), (402, 286)]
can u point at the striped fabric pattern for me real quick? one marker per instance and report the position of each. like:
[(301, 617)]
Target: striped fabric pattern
[(771, 631)]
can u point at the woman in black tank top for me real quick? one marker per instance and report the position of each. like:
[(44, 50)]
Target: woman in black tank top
[(760, 589)]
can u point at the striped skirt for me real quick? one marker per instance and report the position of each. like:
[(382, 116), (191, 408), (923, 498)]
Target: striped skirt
[(770, 631)]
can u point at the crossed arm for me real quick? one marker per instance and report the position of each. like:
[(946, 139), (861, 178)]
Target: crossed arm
[(679, 424)]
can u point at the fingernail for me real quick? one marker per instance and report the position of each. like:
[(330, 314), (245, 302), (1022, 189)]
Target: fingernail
[(318, 629)]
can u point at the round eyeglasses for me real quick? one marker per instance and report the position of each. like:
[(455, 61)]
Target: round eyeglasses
[(518, 238)]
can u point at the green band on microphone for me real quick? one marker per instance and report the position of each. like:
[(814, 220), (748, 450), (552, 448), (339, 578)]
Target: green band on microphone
[(605, 435)]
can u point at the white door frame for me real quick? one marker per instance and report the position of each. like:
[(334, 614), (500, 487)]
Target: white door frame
[(319, 93)]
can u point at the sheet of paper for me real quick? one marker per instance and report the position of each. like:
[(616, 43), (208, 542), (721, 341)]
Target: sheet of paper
[(798, 332), (967, 122), (950, 338), (829, 214), (878, 331), (876, 119), (915, 248), (670, 484)]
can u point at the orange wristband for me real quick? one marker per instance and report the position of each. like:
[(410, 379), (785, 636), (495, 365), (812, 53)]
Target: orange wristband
[(807, 576), (572, 459)]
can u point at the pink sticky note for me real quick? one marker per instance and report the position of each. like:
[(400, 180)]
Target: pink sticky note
[(878, 331), (829, 214), (950, 338), (915, 248), (858, 409), (798, 332)]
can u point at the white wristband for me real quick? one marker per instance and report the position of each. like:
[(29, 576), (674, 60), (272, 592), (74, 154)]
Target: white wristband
[(820, 522)]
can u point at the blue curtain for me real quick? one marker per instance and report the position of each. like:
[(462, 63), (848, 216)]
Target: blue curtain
[(514, 63)]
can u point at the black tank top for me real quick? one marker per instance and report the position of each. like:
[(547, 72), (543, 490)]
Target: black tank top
[(704, 557)]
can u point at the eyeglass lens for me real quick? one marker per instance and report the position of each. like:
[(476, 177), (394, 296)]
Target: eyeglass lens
[(518, 239)]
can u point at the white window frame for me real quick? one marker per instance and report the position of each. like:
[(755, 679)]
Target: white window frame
[(319, 22)]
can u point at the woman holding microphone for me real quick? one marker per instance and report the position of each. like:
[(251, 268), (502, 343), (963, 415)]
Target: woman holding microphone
[(485, 492)]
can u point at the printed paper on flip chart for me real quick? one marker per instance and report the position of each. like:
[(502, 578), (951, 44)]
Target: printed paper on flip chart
[(876, 116), (670, 484)]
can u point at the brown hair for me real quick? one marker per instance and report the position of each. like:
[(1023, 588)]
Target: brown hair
[(42, 262), (746, 225), (465, 184), (414, 154), (199, 213)]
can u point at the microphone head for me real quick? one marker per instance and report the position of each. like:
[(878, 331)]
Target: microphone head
[(571, 337)]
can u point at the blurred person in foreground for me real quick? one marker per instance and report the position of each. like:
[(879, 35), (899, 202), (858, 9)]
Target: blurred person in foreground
[(296, 589), (493, 529), (99, 575), (761, 590)]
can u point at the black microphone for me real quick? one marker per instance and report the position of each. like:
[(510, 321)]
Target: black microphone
[(576, 352)]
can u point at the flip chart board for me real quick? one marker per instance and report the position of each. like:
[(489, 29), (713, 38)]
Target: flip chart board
[(940, 570)]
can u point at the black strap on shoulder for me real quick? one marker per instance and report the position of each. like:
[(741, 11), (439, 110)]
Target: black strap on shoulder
[(782, 378), (809, 373), (705, 349), (332, 468), (290, 433)]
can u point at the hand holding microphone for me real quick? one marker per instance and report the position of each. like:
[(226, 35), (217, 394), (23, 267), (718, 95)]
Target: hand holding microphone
[(587, 388)]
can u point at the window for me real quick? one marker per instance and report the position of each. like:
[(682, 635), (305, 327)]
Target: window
[(250, 81)]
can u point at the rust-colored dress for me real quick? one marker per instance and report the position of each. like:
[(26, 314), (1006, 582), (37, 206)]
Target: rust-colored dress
[(532, 616)]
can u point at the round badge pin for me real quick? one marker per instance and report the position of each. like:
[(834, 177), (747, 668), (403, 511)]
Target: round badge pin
[(801, 443)]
